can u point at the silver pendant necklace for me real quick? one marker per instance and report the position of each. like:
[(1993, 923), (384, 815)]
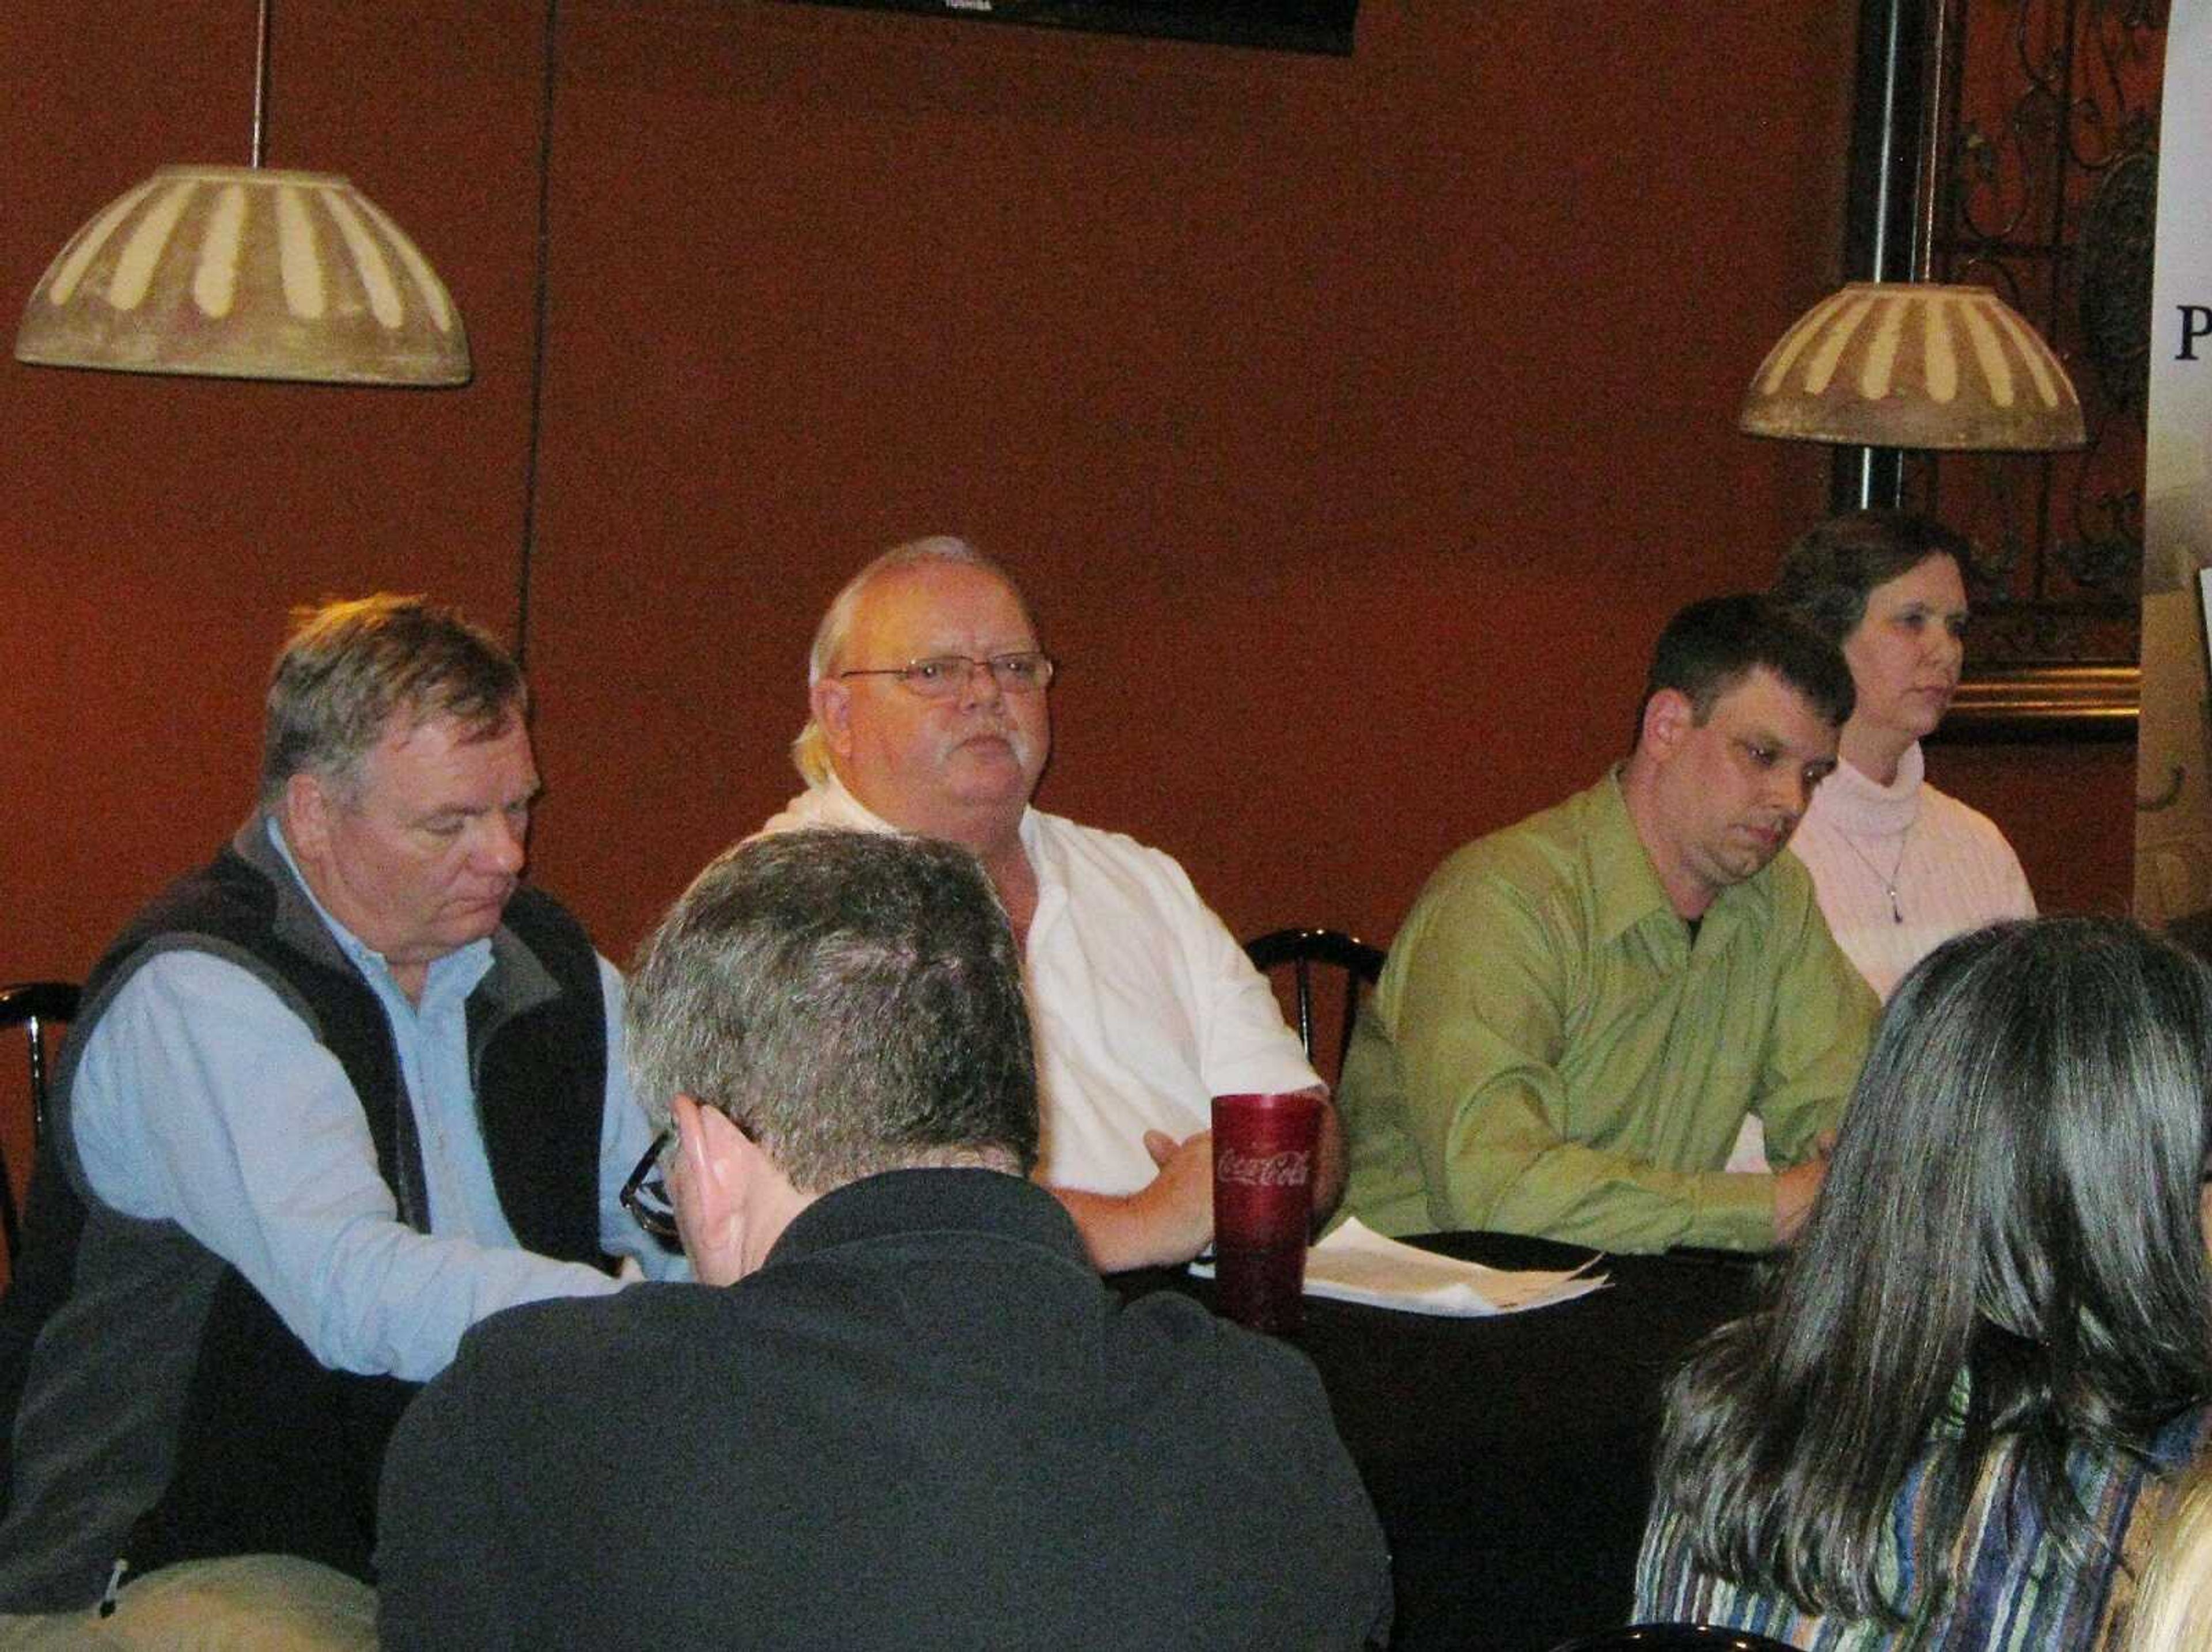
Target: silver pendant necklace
[(1888, 884)]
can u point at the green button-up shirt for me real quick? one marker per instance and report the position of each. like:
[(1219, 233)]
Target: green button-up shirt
[(1547, 1053)]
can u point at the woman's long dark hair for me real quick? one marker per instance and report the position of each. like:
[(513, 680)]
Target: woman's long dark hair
[(2014, 1200)]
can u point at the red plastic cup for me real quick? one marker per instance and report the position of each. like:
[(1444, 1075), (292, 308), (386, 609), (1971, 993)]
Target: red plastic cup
[(1263, 1155)]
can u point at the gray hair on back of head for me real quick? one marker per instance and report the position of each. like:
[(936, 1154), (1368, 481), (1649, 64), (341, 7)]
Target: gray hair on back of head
[(852, 1001)]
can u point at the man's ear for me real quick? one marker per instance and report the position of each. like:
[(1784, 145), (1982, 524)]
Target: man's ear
[(732, 1201), (1668, 717), (832, 704), (707, 1143), (306, 810)]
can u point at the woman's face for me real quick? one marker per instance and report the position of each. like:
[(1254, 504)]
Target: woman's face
[(1906, 653)]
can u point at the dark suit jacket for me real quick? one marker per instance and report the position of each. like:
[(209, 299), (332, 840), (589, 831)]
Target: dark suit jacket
[(924, 1422)]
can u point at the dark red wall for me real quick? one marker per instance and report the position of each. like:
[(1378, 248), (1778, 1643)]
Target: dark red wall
[(1355, 421)]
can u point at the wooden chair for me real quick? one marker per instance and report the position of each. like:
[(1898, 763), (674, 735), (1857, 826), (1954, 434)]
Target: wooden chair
[(32, 1005), (1304, 950)]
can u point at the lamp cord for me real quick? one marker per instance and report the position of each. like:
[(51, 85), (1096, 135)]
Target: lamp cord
[(539, 301), (260, 78)]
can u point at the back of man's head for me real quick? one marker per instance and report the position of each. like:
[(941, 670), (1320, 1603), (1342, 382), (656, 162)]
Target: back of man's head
[(851, 1000), (348, 669), (1712, 644)]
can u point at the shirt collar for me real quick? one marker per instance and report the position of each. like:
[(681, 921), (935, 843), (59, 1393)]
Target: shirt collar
[(895, 1203), (1628, 889), (1858, 802), (843, 809), (455, 974), (1627, 885), (839, 807)]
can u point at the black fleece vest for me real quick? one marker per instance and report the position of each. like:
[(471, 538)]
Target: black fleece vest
[(265, 1449)]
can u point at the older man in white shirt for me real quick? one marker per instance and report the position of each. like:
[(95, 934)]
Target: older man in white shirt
[(929, 691)]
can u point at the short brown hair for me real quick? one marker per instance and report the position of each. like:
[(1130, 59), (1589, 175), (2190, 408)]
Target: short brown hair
[(1714, 644)]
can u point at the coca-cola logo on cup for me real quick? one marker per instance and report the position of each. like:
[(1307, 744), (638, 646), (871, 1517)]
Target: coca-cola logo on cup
[(1289, 1169)]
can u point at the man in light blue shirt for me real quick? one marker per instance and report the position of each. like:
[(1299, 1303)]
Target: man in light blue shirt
[(330, 1102)]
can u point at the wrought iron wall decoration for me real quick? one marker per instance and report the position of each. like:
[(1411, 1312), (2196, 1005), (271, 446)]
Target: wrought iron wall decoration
[(2036, 165)]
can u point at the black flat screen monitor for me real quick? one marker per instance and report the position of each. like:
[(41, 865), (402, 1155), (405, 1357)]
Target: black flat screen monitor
[(1284, 25)]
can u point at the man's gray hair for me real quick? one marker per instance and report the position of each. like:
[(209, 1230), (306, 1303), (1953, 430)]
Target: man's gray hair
[(851, 1000), (810, 750), (350, 669)]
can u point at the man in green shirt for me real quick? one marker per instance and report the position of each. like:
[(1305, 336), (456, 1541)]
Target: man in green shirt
[(1581, 1009)]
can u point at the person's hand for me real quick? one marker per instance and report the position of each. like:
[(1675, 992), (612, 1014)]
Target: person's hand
[(1795, 1188), (1164, 1223), (1177, 1206)]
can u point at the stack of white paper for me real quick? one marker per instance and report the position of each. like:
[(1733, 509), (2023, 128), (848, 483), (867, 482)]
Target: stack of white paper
[(1356, 1264)]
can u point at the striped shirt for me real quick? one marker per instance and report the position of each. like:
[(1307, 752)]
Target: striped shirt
[(2014, 1587)]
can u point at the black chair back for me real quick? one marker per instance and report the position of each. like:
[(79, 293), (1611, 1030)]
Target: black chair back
[(32, 1005), (1673, 1638), (1300, 951)]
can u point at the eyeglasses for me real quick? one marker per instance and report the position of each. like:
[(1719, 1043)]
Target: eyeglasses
[(645, 1195), (942, 675)]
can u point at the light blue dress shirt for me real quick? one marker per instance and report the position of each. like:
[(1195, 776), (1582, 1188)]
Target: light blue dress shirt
[(202, 1100)]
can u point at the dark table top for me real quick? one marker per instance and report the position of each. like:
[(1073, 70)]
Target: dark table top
[(1508, 1457)]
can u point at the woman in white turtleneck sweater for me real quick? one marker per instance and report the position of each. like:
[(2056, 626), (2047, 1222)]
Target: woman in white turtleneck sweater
[(1899, 866)]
